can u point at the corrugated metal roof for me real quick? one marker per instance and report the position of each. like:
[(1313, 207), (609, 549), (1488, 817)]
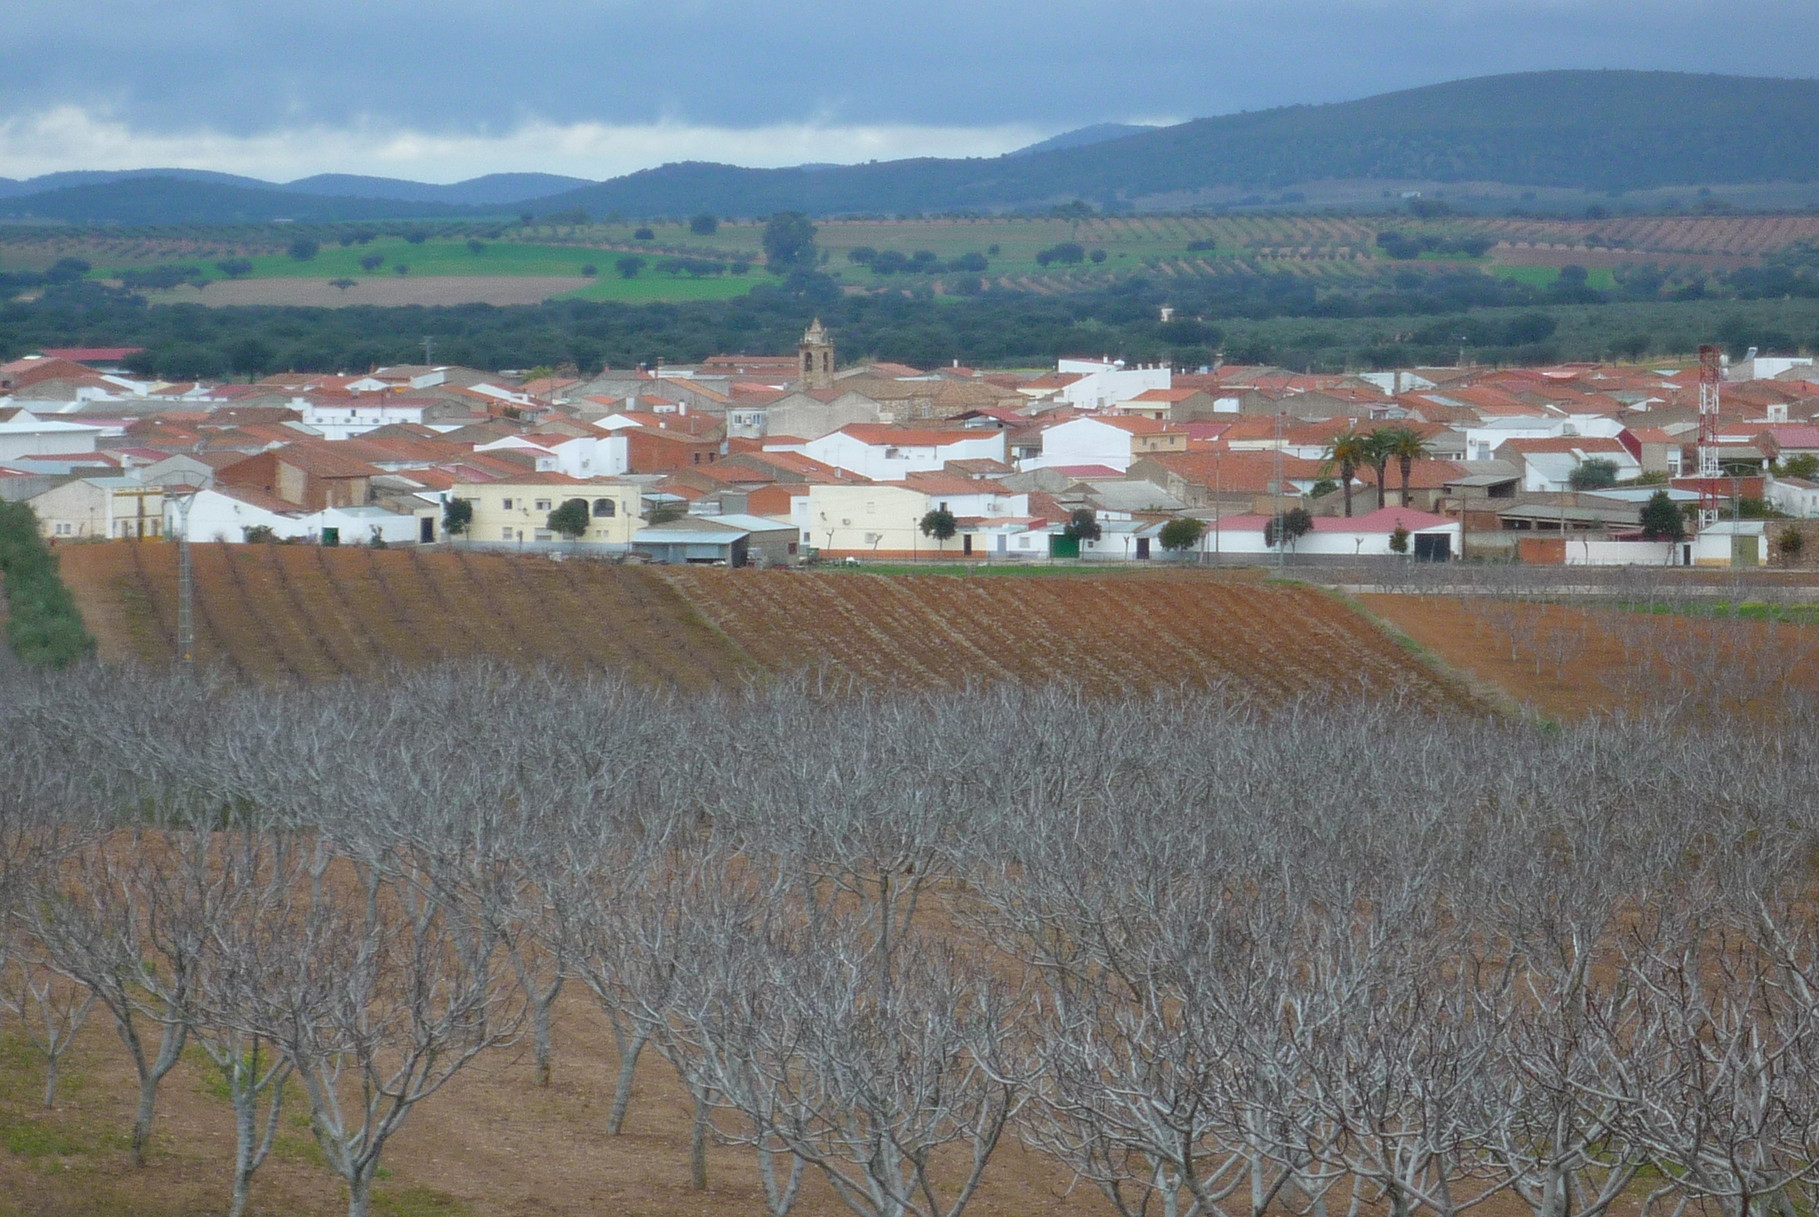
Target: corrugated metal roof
[(683, 536)]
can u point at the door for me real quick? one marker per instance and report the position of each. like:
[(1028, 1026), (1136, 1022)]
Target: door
[(426, 530), (966, 544), (1433, 547), (1143, 548), (331, 537)]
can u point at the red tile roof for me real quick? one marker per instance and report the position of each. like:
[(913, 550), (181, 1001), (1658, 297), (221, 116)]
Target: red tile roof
[(890, 434), (90, 354)]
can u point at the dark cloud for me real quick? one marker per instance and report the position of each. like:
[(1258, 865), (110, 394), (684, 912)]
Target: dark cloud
[(242, 68)]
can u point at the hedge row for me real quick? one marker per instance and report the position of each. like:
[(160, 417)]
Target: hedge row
[(43, 626)]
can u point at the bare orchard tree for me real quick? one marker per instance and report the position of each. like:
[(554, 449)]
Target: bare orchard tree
[(377, 999), (1714, 1073), (50, 1007), (593, 889), (899, 1103), (260, 871), (114, 921)]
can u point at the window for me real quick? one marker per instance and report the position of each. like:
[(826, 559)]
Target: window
[(605, 509), (506, 533), (506, 504), (64, 530), (543, 504)]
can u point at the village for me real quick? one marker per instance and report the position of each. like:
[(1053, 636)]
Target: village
[(777, 460)]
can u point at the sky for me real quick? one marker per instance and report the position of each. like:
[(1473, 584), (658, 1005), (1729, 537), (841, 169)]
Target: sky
[(442, 90)]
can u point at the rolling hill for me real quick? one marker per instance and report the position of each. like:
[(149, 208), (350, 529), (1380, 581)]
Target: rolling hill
[(1582, 130), (1608, 131)]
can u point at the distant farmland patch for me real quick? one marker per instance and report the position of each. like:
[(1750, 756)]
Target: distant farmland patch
[(376, 290)]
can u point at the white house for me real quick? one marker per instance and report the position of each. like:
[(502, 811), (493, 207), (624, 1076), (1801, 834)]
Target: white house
[(1111, 443), (1100, 383), (883, 452), (25, 434), (587, 456), (1482, 439), (884, 521), (227, 512), (344, 418), (1364, 536), (1726, 543), (542, 453), (1548, 465), (1795, 496), (1768, 367)]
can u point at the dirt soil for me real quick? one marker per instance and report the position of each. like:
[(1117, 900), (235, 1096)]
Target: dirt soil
[(284, 612), (278, 612), (389, 289), (491, 1144), (1566, 662)]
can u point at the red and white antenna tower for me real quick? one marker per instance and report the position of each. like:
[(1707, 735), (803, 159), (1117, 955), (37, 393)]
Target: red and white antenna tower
[(1711, 375)]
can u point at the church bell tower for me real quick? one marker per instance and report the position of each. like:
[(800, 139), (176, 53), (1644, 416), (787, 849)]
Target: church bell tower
[(815, 358)]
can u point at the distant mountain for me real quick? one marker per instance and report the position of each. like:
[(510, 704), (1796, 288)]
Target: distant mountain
[(12, 188), (495, 189), (1611, 130), (1098, 133), (1600, 131), (169, 200)]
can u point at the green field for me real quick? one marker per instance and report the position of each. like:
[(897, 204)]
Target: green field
[(1333, 248), (1546, 276), (648, 288)]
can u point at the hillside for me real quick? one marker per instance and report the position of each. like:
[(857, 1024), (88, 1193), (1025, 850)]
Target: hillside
[(297, 612), (1567, 130), (161, 200), (1590, 130)]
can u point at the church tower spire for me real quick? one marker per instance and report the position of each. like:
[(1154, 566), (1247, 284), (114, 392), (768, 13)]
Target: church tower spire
[(815, 357)]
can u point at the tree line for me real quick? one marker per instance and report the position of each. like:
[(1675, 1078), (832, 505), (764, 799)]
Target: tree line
[(1209, 960), (1271, 319)]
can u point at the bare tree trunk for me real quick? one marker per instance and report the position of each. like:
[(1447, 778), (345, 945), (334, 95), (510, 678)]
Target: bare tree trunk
[(540, 1034), (360, 1192), (169, 1052), (244, 1126), (631, 1044), (697, 1148)]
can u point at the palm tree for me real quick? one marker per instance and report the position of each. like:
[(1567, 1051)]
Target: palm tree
[(1377, 456), (1348, 450), (1406, 447)]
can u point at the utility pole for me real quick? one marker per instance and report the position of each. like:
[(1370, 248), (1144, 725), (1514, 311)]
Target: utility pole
[(1711, 374), (1281, 541), (186, 582)]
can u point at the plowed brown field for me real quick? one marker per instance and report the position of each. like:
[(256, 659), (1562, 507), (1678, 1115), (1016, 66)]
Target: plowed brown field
[(274, 612), (1105, 634), (1568, 661), (305, 613)]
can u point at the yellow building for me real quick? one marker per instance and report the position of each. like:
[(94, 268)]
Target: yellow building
[(518, 509), (883, 520)]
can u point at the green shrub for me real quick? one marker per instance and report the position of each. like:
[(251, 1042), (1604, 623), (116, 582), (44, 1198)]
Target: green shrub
[(42, 626)]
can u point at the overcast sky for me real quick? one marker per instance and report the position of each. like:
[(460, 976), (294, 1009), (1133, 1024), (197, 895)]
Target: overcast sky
[(444, 90)]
